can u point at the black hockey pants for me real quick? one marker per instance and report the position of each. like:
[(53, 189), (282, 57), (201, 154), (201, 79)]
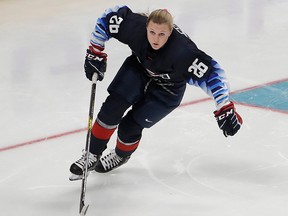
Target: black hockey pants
[(149, 103)]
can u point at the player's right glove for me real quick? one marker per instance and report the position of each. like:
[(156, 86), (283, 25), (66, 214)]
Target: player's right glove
[(229, 121), (95, 62)]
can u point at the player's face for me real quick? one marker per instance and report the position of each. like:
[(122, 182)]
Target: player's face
[(157, 34)]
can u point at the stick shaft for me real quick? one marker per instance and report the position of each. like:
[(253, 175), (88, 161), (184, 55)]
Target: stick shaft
[(83, 208)]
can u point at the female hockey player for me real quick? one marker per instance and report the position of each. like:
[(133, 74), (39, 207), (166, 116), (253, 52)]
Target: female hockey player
[(151, 82)]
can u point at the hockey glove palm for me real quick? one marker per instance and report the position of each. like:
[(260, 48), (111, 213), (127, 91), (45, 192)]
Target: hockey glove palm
[(95, 62), (229, 121)]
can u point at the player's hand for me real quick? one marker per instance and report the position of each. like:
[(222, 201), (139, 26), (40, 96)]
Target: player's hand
[(95, 62), (229, 121)]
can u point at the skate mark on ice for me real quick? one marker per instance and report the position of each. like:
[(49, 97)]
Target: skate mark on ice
[(282, 156), (210, 187), (143, 162)]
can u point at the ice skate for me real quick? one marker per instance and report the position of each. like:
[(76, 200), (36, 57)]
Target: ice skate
[(110, 162), (77, 167)]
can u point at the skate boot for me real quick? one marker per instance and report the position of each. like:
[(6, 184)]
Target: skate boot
[(77, 167), (110, 162)]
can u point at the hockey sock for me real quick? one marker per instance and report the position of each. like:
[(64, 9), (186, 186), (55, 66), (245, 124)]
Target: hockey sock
[(125, 149), (101, 134)]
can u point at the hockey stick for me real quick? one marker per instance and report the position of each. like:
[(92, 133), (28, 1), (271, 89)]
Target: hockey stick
[(83, 208)]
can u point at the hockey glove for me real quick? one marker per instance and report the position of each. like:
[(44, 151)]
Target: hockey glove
[(229, 121), (95, 62)]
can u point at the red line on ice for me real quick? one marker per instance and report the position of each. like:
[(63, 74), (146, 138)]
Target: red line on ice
[(181, 105), (41, 139)]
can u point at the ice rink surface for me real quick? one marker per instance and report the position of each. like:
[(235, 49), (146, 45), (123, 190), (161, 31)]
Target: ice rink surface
[(184, 165)]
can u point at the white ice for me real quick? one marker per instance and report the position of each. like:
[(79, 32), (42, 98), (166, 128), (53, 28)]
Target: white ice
[(184, 165)]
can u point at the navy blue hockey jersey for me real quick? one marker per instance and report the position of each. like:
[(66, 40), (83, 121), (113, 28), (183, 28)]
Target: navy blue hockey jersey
[(178, 61)]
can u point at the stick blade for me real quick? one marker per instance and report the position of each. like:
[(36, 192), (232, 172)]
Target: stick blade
[(83, 210)]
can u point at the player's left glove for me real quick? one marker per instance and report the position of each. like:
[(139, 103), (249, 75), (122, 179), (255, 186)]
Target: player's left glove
[(229, 121)]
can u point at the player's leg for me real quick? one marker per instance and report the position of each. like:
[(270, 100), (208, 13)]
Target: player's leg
[(103, 128), (151, 109), (129, 135), (120, 99)]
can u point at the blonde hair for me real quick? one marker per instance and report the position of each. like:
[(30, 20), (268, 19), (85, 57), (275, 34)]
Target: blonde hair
[(161, 16)]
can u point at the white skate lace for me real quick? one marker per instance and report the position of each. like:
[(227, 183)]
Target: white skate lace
[(111, 160), (91, 159)]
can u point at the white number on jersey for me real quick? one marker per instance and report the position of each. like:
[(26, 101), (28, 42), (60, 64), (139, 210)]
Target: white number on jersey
[(115, 23), (198, 68)]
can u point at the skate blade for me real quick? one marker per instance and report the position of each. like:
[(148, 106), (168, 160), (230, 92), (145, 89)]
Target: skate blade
[(74, 177)]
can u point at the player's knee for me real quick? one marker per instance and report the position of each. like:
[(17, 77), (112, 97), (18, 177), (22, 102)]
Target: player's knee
[(129, 130), (113, 109)]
